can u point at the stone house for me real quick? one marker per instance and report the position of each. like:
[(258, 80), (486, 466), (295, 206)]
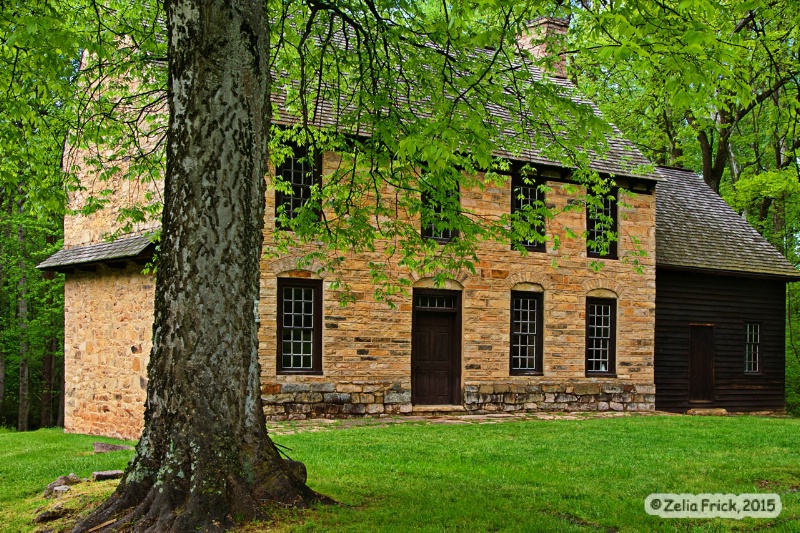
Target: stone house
[(516, 335)]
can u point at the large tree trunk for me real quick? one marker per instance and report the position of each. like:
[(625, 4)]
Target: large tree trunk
[(204, 456), (22, 318)]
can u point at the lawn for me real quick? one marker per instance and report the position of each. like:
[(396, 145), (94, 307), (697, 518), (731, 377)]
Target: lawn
[(561, 475)]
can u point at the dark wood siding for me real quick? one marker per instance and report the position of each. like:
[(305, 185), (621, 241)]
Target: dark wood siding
[(684, 299)]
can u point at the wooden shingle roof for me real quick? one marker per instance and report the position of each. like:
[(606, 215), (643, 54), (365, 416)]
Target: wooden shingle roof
[(697, 230), (91, 254)]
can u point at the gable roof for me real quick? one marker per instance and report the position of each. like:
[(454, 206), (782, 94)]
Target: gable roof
[(621, 158), (123, 248), (697, 230)]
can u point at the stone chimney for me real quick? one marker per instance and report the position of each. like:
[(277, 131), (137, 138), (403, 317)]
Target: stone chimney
[(545, 38)]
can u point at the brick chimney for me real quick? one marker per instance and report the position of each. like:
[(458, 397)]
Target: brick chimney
[(545, 39)]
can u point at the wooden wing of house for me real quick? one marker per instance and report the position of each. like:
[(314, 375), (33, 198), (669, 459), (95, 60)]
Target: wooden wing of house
[(720, 304)]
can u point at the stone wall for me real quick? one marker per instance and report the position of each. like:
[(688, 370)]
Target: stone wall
[(107, 342), (367, 345)]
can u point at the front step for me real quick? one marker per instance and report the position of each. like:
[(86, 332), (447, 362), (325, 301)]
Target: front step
[(434, 410)]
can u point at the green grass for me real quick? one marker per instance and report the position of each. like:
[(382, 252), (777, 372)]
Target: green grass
[(584, 475), (29, 461), (562, 475)]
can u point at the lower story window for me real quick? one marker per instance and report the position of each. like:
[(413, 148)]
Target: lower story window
[(526, 332), (601, 335), (752, 348), (299, 326)]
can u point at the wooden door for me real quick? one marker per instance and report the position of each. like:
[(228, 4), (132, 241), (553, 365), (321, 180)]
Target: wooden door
[(701, 363), (436, 349)]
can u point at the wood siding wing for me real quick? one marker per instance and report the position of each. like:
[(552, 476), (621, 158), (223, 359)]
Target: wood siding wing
[(684, 299)]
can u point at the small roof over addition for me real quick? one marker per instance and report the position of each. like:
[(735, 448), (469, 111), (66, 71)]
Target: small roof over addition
[(139, 247), (697, 230)]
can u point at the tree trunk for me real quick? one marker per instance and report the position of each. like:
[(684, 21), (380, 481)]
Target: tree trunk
[(61, 381), (204, 456), (6, 304), (22, 318), (46, 406), (48, 382)]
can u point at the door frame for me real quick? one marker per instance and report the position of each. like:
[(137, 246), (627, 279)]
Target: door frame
[(456, 356)]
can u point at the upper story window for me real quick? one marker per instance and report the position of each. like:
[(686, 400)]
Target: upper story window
[(752, 348), (301, 172), (299, 326), (527, 200), (601, 226), (434, 222), (527, 332), (601, 335)]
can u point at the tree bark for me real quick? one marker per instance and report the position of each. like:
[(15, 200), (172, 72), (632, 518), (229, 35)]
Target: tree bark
[(22, 319), (204, 456)]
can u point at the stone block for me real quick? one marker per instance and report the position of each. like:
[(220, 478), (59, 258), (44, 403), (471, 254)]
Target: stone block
[(405, 408), (323, 387), (397, 397), (354, 408), (646, 389), (612, 388), (336, 397), (308, 397), (277, 398), (295, 408), (107, 474), (375, 408), (295, 387), (581, 389), (563, 397), (471, 397), (616, 406), (602, 406)]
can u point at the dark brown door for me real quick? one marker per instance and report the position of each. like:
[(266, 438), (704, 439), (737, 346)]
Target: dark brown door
[(436, 348), (701, 363)]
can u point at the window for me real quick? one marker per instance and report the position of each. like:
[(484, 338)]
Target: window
[(752, 348), (301, 172), (299, 326), (526, 199), (434, 224), (527, 310), (601, 335), (600, 221)]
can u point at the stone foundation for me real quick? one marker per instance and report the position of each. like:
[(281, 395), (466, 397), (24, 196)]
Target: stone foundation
[(297, 401), (480, 398)]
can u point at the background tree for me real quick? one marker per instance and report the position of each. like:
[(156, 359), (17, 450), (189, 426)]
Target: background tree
[(38, 49), (706, 85)]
